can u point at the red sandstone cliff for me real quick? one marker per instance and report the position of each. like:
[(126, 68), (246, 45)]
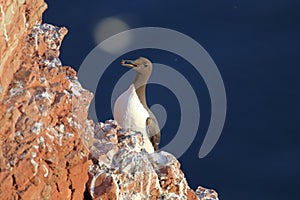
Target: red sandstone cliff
[(47, 144)]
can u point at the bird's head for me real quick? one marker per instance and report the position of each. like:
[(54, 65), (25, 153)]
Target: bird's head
[(141, 65)]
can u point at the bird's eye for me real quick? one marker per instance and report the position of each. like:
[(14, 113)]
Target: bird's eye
[(145, 65)]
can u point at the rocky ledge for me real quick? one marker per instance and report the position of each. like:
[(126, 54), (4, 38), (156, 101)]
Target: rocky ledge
[(122, 169), (48, 147)]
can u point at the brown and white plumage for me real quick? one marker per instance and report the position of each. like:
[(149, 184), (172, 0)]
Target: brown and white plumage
[(131, 109)]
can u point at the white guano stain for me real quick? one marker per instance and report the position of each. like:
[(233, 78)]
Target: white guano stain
[(46, 171), (3, 23)]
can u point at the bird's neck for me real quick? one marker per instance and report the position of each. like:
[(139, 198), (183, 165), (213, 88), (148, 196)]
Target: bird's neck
[(140, 83), (141, 93)]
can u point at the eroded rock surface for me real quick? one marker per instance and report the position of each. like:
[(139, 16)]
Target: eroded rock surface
[(122, 169), (43, 110), (17, 17)]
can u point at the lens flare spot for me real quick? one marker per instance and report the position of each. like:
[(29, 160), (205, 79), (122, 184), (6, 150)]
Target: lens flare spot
[(109, 27)]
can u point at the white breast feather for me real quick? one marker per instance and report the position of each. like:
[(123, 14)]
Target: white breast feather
[(129, 112)]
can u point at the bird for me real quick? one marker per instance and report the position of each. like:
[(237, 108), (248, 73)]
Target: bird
[(131, 110)]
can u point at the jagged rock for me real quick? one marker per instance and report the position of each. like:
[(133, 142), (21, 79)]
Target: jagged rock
[(43, 110), (17, 17), (204, 193), (122, 169)]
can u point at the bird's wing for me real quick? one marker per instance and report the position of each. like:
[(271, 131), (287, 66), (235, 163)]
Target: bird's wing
[(153, 130)]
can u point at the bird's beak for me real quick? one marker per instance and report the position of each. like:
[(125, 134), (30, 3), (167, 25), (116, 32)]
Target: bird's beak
[(128, 63)]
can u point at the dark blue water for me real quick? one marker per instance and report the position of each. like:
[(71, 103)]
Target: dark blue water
[(256, 47)]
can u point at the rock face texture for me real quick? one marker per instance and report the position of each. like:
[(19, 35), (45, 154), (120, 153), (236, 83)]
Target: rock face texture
[(122, 169), (43, 110), (48, 147), (16, 20)]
